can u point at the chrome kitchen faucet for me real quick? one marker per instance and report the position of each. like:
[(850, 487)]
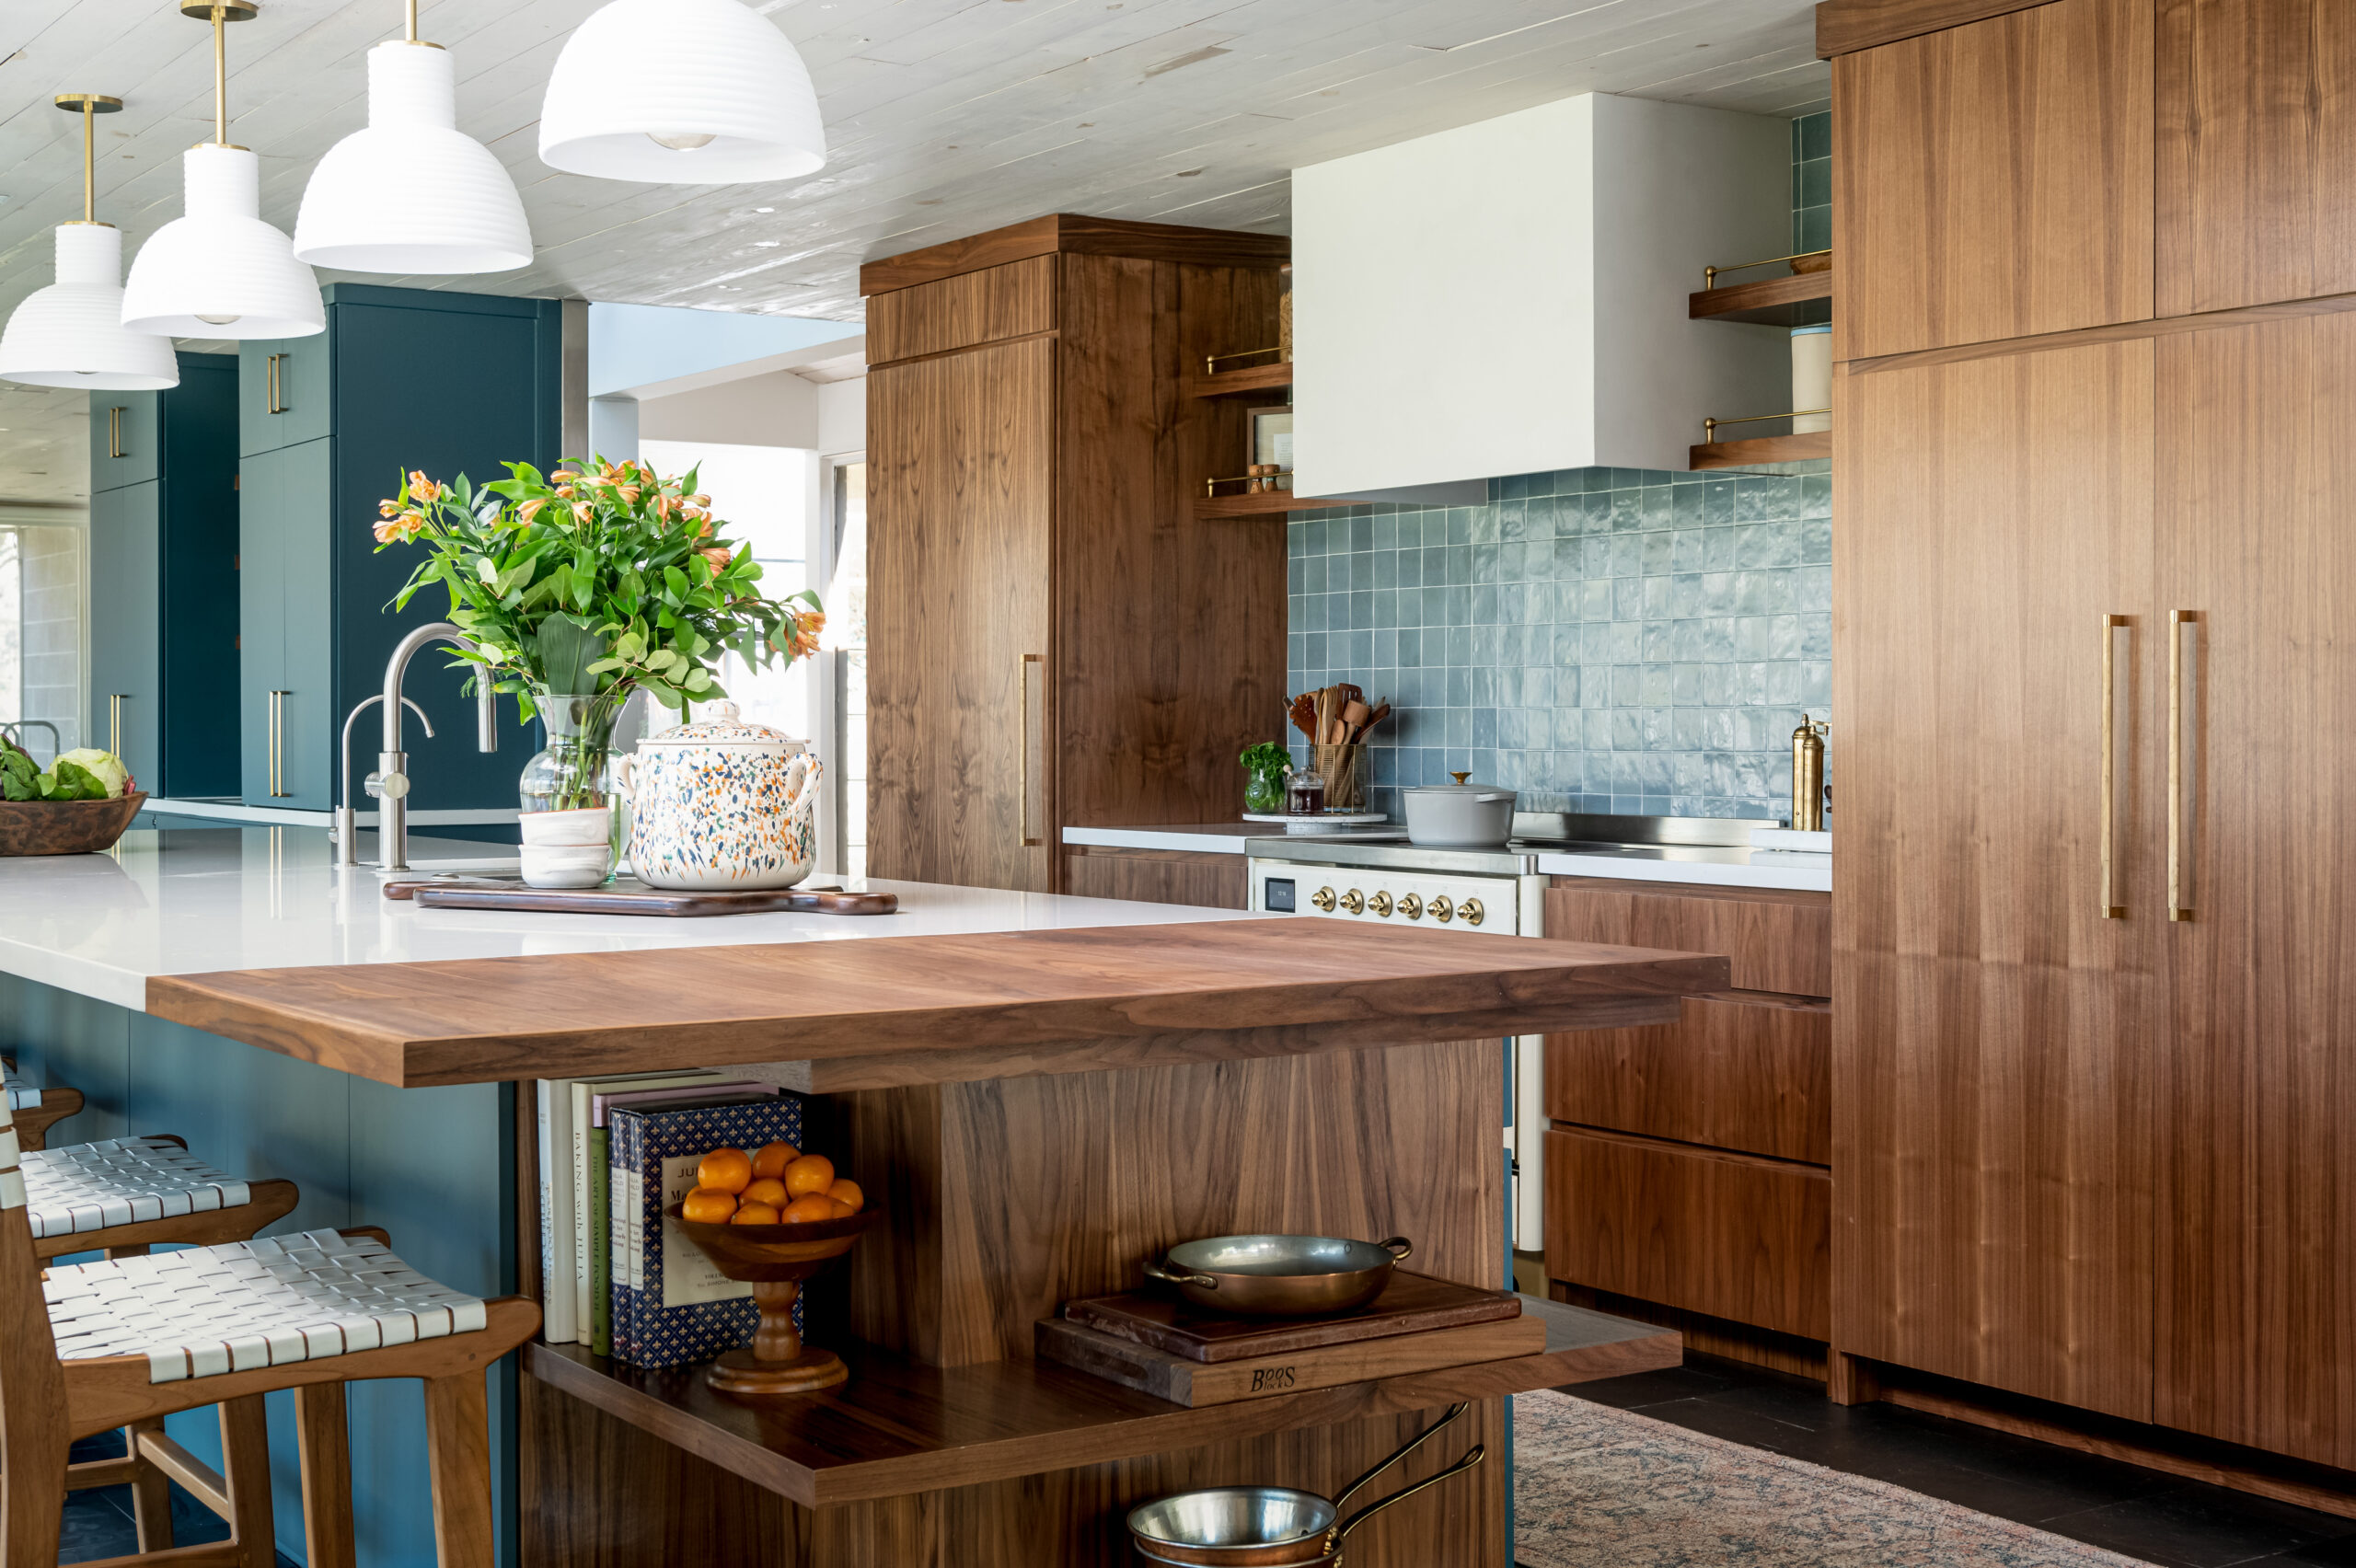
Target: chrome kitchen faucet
[(391, 783)]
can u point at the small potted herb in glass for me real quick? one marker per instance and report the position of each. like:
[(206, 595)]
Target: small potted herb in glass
[(1264, 766)]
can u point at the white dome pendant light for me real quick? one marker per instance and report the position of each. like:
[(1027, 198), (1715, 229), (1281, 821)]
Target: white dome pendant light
[(681, 92), (218, 271), (412, 192), (71, 333)]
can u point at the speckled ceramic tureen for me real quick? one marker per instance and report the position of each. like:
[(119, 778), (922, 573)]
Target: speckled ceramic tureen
[(722, 803)]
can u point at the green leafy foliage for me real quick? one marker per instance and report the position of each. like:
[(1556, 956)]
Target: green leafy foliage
[(1265, 757), (65, 779), (598, 579)]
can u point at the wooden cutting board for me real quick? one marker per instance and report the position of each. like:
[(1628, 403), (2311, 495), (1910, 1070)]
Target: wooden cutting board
[(627, 896), (1193, 1383), (1410, 1304)]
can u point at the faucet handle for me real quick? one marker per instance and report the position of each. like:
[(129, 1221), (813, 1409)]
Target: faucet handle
[(387, 786)]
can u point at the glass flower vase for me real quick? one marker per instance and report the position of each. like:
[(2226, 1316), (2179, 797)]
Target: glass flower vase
[(570, 828)]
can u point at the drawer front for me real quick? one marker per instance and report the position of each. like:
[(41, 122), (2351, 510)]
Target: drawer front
[(1155, 876), (1777, 941), (1738, 1238), (961, 312), (1739, 1070)]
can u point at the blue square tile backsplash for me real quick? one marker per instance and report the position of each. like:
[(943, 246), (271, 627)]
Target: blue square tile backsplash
[(1600, 640)]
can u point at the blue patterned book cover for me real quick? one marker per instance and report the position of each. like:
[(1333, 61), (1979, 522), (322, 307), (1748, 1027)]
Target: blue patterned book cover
[(670, 1306)]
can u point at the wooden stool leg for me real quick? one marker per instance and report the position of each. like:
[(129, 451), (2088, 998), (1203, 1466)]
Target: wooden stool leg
[(326, 1441), (458, 1442), (151, 1490), (32, 1493), (245, 1452)]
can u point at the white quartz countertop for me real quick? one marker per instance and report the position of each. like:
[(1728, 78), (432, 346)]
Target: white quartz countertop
[(241, 814), (1778, 869), (190, 901), (1219, 837)]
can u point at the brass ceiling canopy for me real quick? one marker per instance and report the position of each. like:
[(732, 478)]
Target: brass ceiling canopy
[(231, 10)]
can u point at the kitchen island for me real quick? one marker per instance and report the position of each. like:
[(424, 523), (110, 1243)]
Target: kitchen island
[(1039, 1091)]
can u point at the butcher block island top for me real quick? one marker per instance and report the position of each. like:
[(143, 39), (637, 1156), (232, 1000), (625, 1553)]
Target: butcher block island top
[(836, 1016)]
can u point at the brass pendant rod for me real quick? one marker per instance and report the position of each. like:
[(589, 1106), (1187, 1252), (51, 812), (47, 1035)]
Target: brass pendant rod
[(412, 22), (89, 162), (220, 74)]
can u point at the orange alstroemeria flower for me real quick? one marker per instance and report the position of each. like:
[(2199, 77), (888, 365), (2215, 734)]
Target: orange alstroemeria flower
[(423, 489), (720, 556)]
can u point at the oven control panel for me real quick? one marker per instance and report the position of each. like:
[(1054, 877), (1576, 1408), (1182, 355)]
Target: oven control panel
[(1491, 905)]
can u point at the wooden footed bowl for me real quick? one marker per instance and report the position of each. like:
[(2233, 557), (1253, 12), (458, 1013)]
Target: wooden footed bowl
[(775, 1259), (66, 827)]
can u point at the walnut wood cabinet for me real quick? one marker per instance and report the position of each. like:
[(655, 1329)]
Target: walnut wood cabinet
[(1685, 1163), (1995, 180), (1054, 640), (2093, 1002), (1157, 876)]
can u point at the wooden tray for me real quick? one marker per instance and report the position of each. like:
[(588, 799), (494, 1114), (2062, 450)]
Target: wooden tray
[(1196, 1383), (1411, 1303), (628, 897)]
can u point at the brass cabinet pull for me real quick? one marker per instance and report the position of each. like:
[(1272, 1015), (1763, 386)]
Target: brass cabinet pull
[(2179, 909), (2111, 908), (278, 791), (114, 433), (1022, 748), (114, 721), (276, 382)]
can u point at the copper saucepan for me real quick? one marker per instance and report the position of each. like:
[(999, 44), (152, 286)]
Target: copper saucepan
[(1270, 1527), (1280, 1277)]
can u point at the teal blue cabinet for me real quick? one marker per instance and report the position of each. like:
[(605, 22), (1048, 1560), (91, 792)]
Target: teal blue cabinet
[(284, 394), (164, 611), (401, 379)]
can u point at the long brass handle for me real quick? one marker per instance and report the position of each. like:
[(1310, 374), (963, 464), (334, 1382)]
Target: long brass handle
[(2111, 908), (2179, 909), (114, 433), (114, 721), (277, 384), (278, 791), (1023, 747)]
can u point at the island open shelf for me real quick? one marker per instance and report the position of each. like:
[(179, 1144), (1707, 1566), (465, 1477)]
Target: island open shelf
[(901, 1426)]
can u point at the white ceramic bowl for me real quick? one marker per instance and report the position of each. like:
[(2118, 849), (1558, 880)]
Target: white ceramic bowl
[(566, 865), (590, 824)]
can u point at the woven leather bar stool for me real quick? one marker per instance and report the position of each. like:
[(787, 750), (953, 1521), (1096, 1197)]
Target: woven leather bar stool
[(36, 1109), (125, 1342)]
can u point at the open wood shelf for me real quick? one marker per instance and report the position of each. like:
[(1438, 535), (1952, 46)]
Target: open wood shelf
[(1259, 505), (1772, 302), (1251, 379), (1762, 449), (900, 1426)]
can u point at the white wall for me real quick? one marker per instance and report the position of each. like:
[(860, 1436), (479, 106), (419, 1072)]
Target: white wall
[(777, 410), (842, 417), (1509, 297)]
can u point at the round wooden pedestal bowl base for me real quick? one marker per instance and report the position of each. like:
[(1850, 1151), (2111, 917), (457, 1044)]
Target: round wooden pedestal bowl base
[(739, 1372)]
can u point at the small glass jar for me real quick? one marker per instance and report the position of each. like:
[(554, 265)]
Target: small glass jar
[(1263, 789), (1305, 793)]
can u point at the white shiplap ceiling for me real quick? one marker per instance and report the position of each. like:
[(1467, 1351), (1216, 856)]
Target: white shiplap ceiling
[(946, 118)]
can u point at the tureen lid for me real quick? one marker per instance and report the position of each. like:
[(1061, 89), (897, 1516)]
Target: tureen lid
[(725, 728)]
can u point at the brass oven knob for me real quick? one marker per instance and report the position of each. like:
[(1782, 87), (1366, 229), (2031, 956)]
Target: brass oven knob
[(1354, 901), (1323, 899), (1442, 910), (1412, 907), (1471, 911), (1380, 904)]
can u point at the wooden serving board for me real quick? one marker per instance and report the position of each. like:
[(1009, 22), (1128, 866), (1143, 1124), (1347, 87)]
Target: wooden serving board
[(1196, 1383), (1410, 1304), (631, 897)]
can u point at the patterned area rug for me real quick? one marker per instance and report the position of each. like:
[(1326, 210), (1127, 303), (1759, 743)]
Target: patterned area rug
[(1596, 1487)]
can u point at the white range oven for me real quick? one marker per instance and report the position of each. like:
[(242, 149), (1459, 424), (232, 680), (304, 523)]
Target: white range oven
[(1494, 892)]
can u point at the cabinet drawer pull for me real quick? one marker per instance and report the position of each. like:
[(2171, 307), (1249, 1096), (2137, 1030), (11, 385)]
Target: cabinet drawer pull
[(2179, 907), (2111, 625), (276, 383), (1023, 747), (114, 434), (278, 791)]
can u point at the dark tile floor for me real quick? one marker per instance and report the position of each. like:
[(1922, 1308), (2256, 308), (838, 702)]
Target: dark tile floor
[(2137, 1512), (98, 1522)]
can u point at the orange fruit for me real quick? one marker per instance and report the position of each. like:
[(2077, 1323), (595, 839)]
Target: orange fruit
[(724, 1171), (810, 1173), (767, 1190), (808, 1207), (707, 1206), (771, 1159), (754, 1214), (842, 1210), (846, 1192)]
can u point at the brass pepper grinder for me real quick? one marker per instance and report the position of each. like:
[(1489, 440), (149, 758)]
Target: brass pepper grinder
[(1808, 775)]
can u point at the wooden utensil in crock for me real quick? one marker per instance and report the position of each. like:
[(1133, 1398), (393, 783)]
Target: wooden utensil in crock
[(66, 827), (775, 1259)]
